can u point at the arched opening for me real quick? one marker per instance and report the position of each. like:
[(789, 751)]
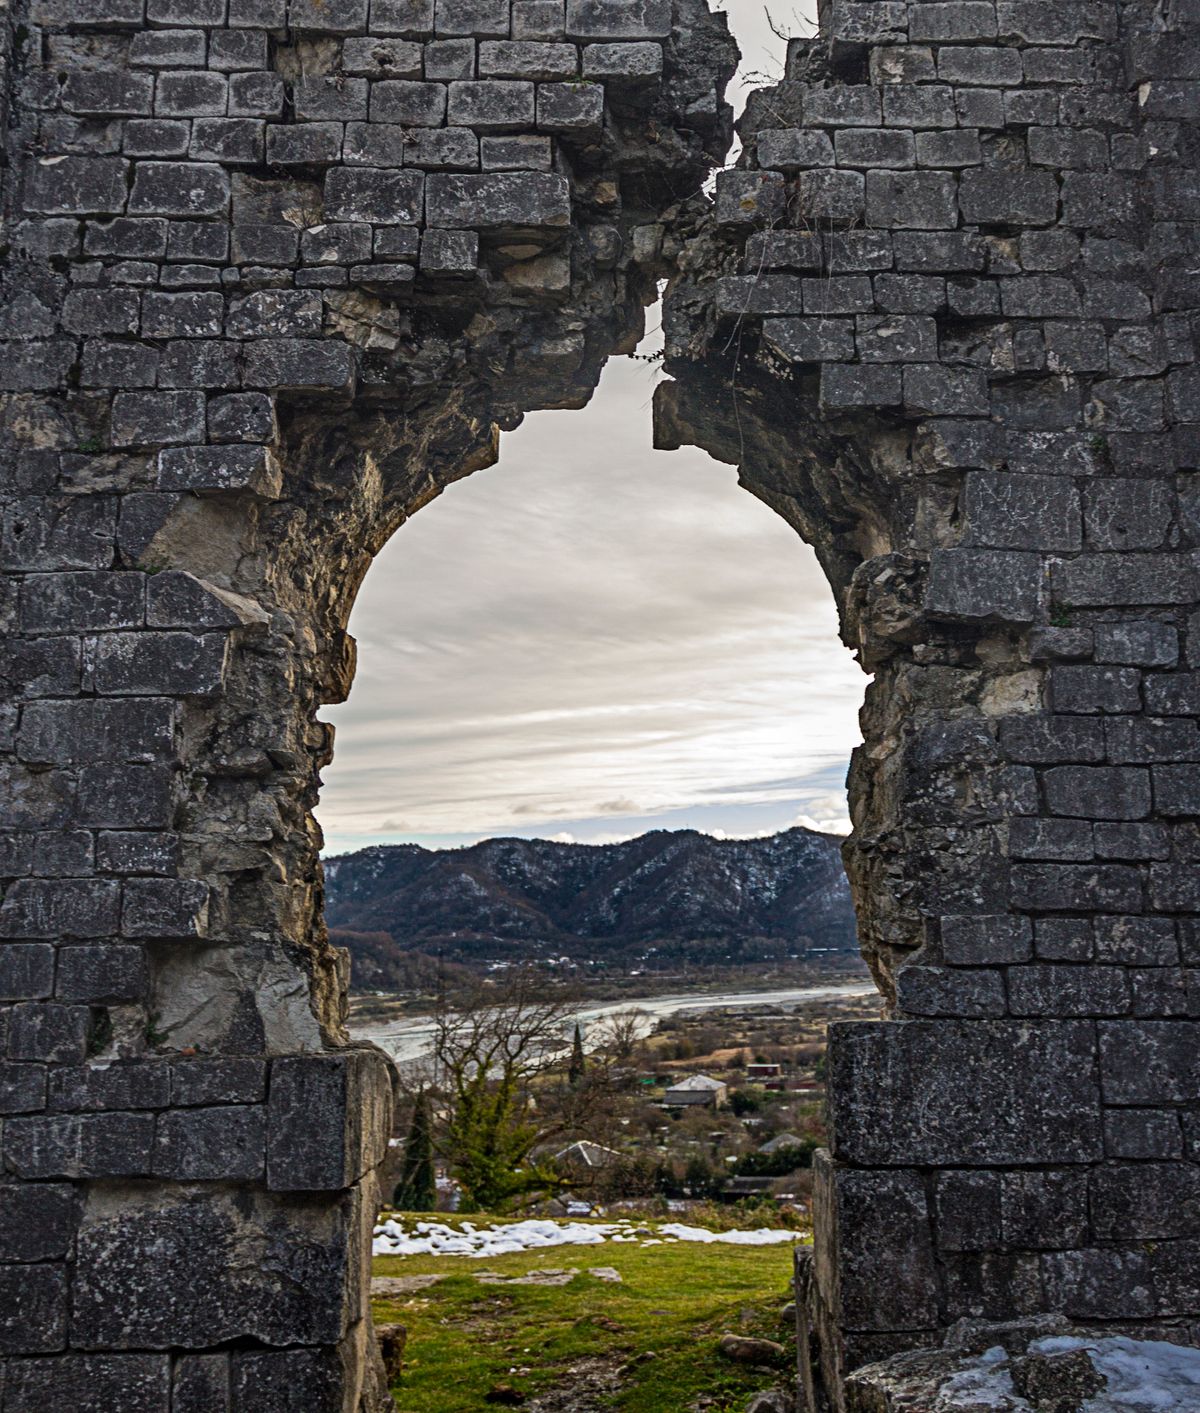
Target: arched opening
[(634, 644)]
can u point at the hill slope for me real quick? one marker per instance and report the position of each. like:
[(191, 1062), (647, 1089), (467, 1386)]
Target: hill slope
[(664, 897)]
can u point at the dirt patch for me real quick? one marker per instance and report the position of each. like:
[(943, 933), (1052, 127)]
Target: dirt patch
[(586, 1387), (389, 1287), (546, 1276)]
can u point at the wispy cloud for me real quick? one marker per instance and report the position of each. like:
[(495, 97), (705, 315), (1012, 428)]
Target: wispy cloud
[(591, 634)]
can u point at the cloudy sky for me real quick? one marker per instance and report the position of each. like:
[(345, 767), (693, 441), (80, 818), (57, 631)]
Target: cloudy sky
[(591, 639)]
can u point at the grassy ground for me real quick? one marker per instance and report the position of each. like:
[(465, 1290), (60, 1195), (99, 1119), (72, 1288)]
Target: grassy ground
[(674, 1301)]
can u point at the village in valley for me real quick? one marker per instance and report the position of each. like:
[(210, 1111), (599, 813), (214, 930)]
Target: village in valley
[(718, 1106)]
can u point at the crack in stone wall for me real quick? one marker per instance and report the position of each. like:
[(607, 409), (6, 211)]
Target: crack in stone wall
[(273, 276)]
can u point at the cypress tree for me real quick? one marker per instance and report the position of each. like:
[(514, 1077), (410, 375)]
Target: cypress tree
[(417, 1191), (575, 1070)]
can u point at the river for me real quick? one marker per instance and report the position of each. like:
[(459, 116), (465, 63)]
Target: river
[(410, 1037)]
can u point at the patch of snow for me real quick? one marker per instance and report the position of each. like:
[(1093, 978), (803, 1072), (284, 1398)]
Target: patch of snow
[(764, 1236), (1143, 1376), (392, 1238)]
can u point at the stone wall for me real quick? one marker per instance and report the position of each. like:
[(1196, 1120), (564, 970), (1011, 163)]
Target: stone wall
[(942, 317), (273, 275)]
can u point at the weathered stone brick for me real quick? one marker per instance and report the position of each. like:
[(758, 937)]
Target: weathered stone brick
[(115, 1145), (617, 19), (165, 908), (152, 419), (37, 1221), (200, 1383), (867, 1213), (267, 1381), (986, 940), (134, 1251), (1098, 792), (33, 1309), (218, 1081), (1126, 514), (373, 194), (61, 732), (225, 1143), (967, 1211), (54, 908), (938, 991), (1086, 689), (815, 341), (959, 147), (77, 186), (1044, 1210), (1137, 941), (159, 664), (830, 197), (974, 584), (413, 17), (50, 1033), (1144, 644), (790, 149), (1142, 1133), (325, 1120), (89, 1383), (1021, 512), (623, 64), (328, 16), (539, 19), (914, 1112), (1080, 888), (1058, 990), (416, 104), (511, 154), (300, 365), (26, 973), (859, 385), (570, 109), (994, 197), (1069, 840), (255, 95), (1132, 841), (97, 975), (1145, 1200), (107, 1085), (45, 533), (22, 1090), (500, 200), (912, 200), (896, 338), (238, 49), (85, 601)]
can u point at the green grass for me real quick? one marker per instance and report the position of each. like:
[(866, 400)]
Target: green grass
[(674, 1301)]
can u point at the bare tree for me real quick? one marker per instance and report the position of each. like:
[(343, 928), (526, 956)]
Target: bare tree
[(620, 1033), (493, 1044)]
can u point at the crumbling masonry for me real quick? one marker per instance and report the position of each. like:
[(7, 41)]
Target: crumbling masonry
[(274, 274)]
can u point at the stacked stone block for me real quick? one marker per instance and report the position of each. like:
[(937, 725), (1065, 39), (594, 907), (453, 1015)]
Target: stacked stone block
[(271, 276), (946, 324)]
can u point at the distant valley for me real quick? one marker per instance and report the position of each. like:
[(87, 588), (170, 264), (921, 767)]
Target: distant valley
[(664, 901)]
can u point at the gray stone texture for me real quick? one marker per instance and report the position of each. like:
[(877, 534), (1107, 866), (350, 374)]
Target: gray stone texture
[(952, 278)]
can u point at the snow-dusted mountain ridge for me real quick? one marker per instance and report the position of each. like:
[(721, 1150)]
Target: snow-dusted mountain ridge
[(663, 897)]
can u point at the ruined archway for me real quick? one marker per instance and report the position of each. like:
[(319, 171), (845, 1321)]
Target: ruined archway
[(272, 276)]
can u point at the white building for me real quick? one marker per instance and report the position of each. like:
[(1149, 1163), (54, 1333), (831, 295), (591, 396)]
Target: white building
[(696, 1089)]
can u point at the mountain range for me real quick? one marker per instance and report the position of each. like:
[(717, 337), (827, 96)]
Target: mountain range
[(658, 901)]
